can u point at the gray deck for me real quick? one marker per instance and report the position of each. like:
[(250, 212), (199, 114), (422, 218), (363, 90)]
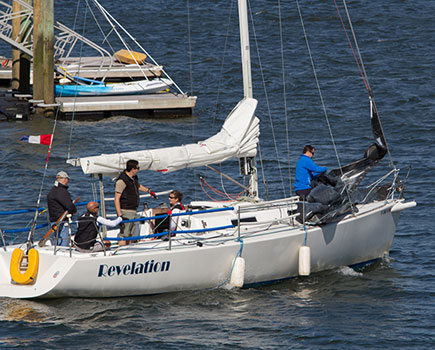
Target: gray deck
[(152, 104), (97, 68)]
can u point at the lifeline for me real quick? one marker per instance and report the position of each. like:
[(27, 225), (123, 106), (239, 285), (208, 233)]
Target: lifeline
[(133, 269)]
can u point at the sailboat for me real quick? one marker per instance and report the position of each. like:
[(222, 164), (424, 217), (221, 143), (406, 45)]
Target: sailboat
[(241, 243)]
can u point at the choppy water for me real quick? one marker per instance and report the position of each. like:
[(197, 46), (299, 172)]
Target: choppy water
[(388, 306)]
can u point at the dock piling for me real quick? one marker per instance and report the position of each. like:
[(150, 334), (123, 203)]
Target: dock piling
[(20, 61), (43, 53)]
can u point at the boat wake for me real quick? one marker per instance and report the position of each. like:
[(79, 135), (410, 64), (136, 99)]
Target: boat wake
[(348, 271)]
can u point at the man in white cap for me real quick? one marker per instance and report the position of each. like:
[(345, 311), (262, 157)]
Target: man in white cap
[(59, 201)]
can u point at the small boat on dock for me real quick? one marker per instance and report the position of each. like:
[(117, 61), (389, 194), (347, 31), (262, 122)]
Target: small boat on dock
[(139, 87), (106, 68)]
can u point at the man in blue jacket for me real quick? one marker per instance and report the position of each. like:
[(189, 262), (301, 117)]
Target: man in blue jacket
[(306, 170)]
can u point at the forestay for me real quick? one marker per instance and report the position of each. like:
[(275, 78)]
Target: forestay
[(237, 138)]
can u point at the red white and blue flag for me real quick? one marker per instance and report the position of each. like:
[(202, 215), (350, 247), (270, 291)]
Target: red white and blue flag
[(39, 139)]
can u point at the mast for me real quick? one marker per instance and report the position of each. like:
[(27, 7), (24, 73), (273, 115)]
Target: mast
[(250, 162), (244, 46)]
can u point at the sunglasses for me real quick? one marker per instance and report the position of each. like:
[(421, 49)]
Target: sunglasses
[(171, 197)]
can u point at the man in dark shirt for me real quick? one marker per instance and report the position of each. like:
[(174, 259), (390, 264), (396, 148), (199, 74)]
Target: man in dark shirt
[(88, 223), (59, 201), (127, 189)]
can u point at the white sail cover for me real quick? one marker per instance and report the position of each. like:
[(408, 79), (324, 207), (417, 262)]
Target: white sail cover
[(237, 138)]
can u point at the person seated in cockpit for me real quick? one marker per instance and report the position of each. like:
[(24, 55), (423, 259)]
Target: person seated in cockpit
[(85, 238), (175, 206)]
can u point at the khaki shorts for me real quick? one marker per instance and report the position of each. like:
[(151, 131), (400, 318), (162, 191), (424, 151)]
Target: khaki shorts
[(129, 228)]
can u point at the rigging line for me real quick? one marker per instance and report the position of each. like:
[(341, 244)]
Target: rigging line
[(284, 95), (105, 39), (191, 83), (321, 96), (94, 190), (219, 193), (351, 46), (32, 229), (189, 40), (222, 64), (227, 177), (105, 36), (76, 15), (216, 191), (107, 15), (357, 47), (266, 186), (267, 98), (368, 84), (212, 199), (75, 95), (203, 182), (222, 183)]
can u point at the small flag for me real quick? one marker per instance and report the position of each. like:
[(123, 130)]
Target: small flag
[(39, 139)]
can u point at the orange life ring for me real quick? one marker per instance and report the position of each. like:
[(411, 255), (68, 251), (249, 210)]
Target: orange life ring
[(32, 266)]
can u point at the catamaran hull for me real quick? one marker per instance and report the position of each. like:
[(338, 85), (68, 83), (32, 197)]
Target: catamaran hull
[(269, 255)]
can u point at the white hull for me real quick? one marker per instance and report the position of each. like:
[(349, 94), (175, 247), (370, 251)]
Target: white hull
[(131, 88), (270, 251)]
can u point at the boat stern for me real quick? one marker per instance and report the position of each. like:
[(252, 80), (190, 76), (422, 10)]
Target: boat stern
[(51, 268)]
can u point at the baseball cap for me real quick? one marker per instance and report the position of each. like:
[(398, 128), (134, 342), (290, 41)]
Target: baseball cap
[(62, 174)]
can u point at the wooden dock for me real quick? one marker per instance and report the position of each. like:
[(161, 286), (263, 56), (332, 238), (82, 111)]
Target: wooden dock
[(97, 107), (165, 104)]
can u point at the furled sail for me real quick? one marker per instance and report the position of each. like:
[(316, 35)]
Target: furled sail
[(237, 138), (354, 172)]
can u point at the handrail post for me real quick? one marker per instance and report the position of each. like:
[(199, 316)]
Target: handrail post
[(238, 222), (102, 202), (56, 239), (3, 239), (102, 242), (169, 229), (69, 234)]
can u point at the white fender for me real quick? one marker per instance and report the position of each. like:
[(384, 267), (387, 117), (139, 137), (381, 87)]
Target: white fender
[(304, 261), (238, 274)]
